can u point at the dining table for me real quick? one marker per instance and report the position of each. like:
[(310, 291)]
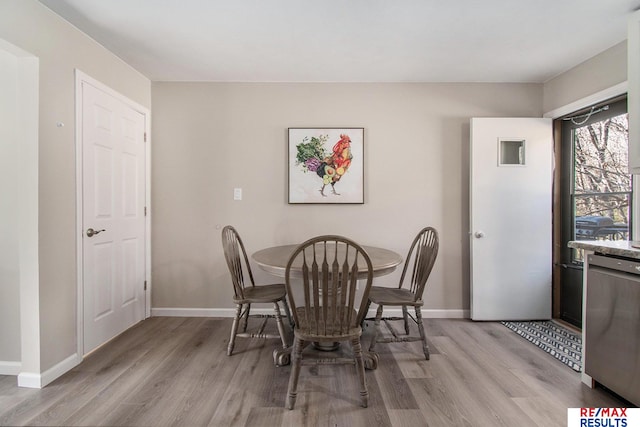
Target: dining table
[(274, 260)]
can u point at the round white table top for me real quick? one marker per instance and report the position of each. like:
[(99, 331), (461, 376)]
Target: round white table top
[(274, 260)]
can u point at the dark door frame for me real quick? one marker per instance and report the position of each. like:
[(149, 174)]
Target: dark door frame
[(563, 223)]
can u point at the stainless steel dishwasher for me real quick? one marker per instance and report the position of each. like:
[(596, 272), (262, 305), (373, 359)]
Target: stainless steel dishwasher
[(612, 329)]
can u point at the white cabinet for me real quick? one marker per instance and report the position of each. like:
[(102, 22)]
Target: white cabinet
[(633, 97)]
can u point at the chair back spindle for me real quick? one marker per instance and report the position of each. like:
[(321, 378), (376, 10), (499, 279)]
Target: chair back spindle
[(420, 260), (237, 261), (330, 268)]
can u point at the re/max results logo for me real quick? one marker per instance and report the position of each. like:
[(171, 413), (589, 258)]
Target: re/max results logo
[(603, 417)]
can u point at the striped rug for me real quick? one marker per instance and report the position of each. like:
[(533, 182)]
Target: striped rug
[(560, 342)]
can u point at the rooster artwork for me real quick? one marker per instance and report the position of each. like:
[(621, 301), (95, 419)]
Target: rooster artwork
[(329, 166)]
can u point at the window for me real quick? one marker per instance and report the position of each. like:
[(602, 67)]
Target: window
[(511, 152), (601, 184), (595, 193)]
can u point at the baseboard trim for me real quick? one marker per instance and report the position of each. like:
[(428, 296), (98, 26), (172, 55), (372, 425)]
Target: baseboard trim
[(29, 380), (200, 312), (10, 368), (39, 380), (230, 312), (445, 314)]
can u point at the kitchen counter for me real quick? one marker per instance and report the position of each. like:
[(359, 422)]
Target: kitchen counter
[(623, 248)]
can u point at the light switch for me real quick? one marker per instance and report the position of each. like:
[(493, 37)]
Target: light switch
[(237, 194)]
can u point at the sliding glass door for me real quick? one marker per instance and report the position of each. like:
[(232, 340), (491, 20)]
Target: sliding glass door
[(596, 193)]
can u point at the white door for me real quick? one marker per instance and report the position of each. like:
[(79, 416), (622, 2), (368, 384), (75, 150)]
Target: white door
[(511, 200), (113, 223)]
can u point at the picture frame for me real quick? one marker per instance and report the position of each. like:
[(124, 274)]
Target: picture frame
[(326, 165)]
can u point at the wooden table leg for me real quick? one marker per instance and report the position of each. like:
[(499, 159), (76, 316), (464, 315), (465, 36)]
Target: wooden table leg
[(370, 360), (282, 356)]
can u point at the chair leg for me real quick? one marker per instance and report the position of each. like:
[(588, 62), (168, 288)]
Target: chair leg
[(234, 329), (366, 311), (287, 312), (245, 318), (405, 315), (296, 361), (357, 353), (276, 309), (425, 346), (376, 328)]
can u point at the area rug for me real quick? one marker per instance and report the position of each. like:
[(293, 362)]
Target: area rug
[(556, 340)]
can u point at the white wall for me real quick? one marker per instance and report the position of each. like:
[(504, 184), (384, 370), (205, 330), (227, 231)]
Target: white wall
[(209, 138), (60, 49), (603, 71), (20, 327), (9, 220)]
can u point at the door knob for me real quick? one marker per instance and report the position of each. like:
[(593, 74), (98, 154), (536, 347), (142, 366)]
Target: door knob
[(479, 234), (91, 231)]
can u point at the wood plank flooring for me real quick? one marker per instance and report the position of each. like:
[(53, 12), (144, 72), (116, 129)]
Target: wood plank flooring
[(175, 372)]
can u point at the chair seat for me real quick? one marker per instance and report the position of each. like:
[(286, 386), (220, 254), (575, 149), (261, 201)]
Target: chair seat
[(262, 293), (392, 296), (308, 330)]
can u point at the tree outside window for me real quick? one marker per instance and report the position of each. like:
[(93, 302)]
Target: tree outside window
[(602, 183)]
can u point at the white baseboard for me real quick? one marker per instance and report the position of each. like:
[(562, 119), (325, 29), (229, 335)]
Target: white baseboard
[(10, 368), (200, 312), (39, 380), (426, 313), (445, 314), (229, 312), (586, 379), (29, 380)]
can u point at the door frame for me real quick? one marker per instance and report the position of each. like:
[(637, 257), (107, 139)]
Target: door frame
[(603, 95), (570, 272), (81, 78)]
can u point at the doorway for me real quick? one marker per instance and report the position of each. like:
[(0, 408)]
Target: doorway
[(595, 192), (113, 191), (19, 243)]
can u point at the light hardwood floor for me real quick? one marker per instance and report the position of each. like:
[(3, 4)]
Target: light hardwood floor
[(174, 371)]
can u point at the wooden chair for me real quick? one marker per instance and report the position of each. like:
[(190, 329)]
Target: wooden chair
[(321, 278), (418, 265), (246, 292)]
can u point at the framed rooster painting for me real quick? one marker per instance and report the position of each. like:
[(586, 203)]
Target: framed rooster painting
[(326, 165)]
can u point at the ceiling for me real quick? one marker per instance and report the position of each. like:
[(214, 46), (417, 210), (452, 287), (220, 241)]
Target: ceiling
[(351, 40)]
